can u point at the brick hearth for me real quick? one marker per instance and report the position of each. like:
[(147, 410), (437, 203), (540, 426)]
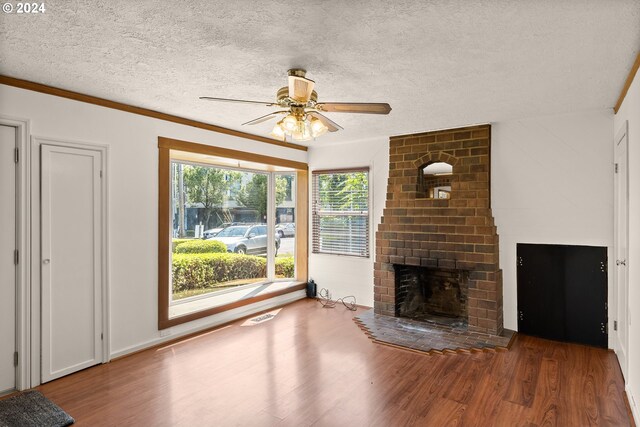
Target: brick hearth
[(428, 337), (455, 234)]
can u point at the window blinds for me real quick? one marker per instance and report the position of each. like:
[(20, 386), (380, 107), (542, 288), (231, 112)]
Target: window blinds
[(340, 212)]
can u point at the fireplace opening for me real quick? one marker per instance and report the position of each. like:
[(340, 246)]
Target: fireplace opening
[(432, 295)]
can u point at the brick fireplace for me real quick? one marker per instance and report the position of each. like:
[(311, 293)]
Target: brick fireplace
[(448, 246)]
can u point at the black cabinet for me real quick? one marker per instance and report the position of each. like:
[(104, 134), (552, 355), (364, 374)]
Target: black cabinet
[(562, 292)]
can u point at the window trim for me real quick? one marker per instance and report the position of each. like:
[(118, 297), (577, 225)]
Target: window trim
[(316, 172), (165, 146)]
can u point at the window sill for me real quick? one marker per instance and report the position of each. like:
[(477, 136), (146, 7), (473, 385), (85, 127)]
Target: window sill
[(183, 312), (349, 256)]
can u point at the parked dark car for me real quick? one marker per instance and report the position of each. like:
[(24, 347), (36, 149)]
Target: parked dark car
[(248, 239)]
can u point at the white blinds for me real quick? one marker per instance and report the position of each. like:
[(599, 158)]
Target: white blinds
[(341, 212)]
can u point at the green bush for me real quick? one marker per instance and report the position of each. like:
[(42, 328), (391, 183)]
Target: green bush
[(198, 271), (285, 267), (176, 242), (198, 246)]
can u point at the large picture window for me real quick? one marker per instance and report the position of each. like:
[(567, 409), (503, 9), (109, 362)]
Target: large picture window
[(236, 229), (219, 228), (341, 212)]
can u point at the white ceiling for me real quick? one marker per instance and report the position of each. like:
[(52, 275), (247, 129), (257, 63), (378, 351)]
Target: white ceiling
[(438, 63)]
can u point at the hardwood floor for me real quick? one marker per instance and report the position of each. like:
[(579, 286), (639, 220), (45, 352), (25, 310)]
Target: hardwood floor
[(314, 366)]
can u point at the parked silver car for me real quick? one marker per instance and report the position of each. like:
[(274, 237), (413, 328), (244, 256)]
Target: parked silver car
[(246, 239), (208, 234), (286, 229)]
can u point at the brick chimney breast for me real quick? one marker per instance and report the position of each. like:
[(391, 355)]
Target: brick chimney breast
[(456, 233)]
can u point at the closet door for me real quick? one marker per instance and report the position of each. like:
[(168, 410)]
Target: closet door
[(7, 260), (71, 260)]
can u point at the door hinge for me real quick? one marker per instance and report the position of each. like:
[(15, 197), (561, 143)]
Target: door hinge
[(520, 262), (15, 358), (521, 315), (100, 174), (16, 256), (616, 168), (16, 155), (615, 325), (604, 328), (603, 266), (101, 336)]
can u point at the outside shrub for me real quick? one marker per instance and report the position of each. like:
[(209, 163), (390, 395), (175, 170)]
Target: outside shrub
[(176, 242), (198, 271), (284, 267), (198, 246)]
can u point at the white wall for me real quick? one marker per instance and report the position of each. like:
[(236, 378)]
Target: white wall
[(344, 275), (551, 182), (630, 110), (133, 198)]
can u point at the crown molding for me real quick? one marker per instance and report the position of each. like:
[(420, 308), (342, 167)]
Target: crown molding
[(63, 93)]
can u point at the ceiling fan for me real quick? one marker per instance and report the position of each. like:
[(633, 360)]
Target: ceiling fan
[(303, 118)]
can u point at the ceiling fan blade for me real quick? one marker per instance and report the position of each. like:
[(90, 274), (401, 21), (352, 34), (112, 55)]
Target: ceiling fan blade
[(300, 88), (354, 107), (264, 118), (243, 101), (330, 124)]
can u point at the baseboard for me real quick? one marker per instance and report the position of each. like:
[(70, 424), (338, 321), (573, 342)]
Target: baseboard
[(632, 405), (211, 322)]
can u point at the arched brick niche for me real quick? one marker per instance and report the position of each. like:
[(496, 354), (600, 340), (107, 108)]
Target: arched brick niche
[(426, 184), (455, 235)]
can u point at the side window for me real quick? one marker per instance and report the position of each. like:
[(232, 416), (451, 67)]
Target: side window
[(341, 212)]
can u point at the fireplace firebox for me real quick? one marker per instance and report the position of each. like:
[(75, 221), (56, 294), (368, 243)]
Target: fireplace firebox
[(432, 295)]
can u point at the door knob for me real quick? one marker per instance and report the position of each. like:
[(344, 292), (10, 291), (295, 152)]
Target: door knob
[(46, 261), (623, 262)]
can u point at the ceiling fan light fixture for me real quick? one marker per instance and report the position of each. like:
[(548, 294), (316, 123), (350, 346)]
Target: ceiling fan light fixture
[(290, 123), (302, 134), (298, 128), (318, 128), (278, 131)]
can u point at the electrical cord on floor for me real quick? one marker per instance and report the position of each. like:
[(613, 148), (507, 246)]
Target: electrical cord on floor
[(324, 298)]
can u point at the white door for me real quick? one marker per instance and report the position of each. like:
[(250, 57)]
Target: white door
[(621, 196), (71, 260), (7, 263)]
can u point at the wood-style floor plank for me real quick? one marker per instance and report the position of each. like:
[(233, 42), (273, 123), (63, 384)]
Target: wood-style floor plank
[(313, 366), (523, 391)]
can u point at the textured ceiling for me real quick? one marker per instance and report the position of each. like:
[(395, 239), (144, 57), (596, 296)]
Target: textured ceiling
[(438, 63)]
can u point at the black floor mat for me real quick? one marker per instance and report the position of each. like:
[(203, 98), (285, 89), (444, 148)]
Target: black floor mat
[(32, 409)]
